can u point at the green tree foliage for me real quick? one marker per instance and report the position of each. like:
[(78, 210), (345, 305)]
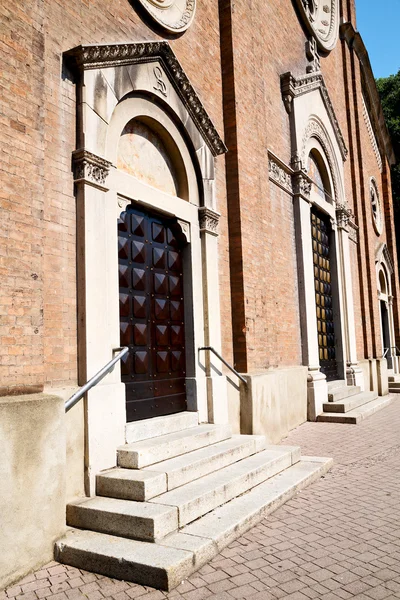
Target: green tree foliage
[(389, 90)]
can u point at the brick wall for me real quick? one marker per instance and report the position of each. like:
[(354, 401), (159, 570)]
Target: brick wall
[(239, 84), (37, 218)]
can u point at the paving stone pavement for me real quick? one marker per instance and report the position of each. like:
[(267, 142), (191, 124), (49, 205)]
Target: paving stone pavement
[(337, 539)]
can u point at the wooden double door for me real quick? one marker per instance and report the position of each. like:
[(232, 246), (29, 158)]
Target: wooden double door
[(151, 314), (323, 272)]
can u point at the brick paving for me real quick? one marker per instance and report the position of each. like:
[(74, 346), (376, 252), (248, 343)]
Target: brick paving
[(338, 539)]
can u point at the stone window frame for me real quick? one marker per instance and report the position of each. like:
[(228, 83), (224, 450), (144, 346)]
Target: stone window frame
[(376, 206)]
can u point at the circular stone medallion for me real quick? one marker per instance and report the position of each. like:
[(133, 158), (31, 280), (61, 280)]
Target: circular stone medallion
[(173, 15), (322, 20)]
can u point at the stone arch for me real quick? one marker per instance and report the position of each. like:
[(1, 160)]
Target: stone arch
[(315, 131)]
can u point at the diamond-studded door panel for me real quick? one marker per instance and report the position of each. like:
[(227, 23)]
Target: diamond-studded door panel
[(151, 315), (320, 230)]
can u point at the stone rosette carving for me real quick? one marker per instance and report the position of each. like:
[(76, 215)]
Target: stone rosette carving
[(98, 57), (280, 173), (321, 18), (90, 168), (174, 16), (208, 220), (293, 87)]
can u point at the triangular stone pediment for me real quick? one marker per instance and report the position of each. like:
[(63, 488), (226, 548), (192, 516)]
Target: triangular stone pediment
[(293, 87), (114, 55)]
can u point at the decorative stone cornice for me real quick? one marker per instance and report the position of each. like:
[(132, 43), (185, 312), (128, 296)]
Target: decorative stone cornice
[(90, 168), (101, 56), (293, 87), (355, 41), (371, 133), (208, 220), (280, 173)]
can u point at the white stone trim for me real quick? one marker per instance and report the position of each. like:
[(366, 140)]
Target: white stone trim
[(371, 134), (113, 90)]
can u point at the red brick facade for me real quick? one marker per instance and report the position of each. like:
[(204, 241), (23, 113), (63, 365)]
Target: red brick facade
[(234, 55)]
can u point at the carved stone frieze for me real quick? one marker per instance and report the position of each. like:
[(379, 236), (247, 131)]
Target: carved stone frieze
[(208, 220), (353, 231), (293, 87), (280, 173), (97, 57), (90, 168)]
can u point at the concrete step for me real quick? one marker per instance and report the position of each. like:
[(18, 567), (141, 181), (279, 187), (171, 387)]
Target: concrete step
[(199, 497), (228, 522), (132, 484), (193, 465), (394, 378), (337, 383), (394, 385), (149, 428), (358, 414), (125, 518), (343, 392), (141, 562), (348, 404), (393, 390), (147, 452), (166, 563)]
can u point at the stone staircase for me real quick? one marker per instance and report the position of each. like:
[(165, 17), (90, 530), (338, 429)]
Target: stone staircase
[(348, 404), (394, 384), (177, 499)]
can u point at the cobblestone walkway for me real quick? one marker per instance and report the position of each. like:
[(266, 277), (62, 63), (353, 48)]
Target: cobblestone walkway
[(338, 539)]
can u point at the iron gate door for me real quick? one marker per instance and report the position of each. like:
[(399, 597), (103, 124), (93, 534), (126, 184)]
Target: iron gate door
[(151, 315)]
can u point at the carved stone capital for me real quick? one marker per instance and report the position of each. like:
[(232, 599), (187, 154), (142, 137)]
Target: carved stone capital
[(343, 214), (302, 185), (90, 168), (208, 220)]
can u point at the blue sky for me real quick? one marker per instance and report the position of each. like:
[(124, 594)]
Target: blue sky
[(379, 25)]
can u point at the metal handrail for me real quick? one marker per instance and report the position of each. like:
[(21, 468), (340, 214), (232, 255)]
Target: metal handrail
[(96, 378), (211, 349)]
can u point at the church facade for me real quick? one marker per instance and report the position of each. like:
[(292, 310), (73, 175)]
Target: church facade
[(202, 183)]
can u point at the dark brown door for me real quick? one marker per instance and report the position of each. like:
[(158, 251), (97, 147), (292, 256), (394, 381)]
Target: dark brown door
[(151, 314), (320, 231)]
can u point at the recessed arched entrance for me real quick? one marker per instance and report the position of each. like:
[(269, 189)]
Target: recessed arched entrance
[(146, 162)]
